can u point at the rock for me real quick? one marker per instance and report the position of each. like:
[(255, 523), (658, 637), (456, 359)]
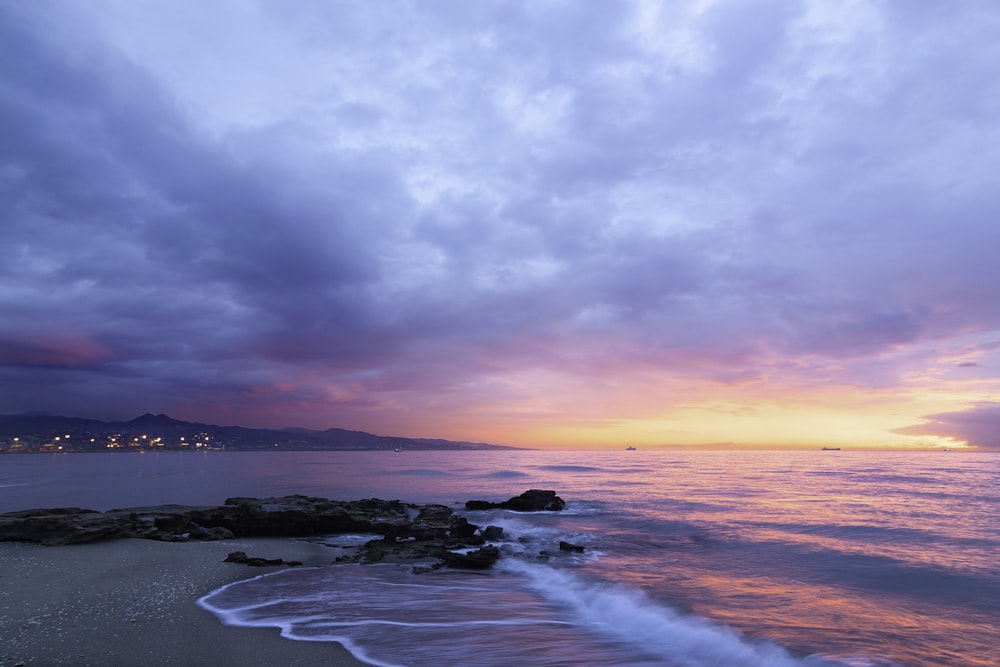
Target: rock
[(61, 526), (432, 522), (241, 558), (492, 533), (215, 533), (480, 505), (302, 515), (436, 535), (536, 500), (393, 551), (533, 500), (434, 514), (291, 516), (566, 546), (461, 528), (481, 559)]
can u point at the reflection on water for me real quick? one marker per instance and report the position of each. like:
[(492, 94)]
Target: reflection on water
[(877, 555)]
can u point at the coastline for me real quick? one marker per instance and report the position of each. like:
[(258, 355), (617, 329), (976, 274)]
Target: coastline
[(134, 601)]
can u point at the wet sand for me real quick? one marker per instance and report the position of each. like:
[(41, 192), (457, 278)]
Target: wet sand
[(133, 602)]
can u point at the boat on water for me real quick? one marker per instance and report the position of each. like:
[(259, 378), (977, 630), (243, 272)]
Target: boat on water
[(831, 449), (630, 448)]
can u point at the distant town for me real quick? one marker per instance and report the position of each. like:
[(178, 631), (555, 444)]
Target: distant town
[(115, 441), (43, 433)]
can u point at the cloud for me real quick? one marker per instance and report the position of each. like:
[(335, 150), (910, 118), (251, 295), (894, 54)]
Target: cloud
[(332, 210), (978, 426)]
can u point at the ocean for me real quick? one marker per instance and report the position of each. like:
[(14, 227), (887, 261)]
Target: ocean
[(691, 558)]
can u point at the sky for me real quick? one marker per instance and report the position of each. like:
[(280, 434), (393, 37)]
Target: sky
[(553, 223)]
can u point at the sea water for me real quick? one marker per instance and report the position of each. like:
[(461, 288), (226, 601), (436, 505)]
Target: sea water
[(691, 558)]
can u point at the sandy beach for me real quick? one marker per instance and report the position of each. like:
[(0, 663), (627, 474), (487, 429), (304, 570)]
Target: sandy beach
[(133, 602)]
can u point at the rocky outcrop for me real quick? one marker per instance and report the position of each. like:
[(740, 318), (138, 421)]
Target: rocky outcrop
[(292, 516), (437, 535), (303, 515), (533, 500), (431, 534), (64, 525)]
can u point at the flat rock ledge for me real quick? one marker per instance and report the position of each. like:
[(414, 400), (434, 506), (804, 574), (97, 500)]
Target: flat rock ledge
[(409, 532)]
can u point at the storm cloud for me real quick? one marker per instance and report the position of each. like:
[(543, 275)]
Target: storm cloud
[(392, 215)]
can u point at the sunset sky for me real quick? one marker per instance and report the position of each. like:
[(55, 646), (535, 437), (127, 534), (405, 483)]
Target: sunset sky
[(549, 223)]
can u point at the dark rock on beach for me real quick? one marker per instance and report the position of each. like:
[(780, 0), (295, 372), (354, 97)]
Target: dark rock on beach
[(291, 516), (65, 525), (533, 500), (241, 558)]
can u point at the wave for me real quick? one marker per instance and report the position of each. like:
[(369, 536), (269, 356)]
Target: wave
[(523, 613), (628, 616), (952, 583), (869, 534)]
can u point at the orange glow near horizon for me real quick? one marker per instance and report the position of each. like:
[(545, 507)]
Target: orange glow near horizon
[(844, 418), (791, 405)]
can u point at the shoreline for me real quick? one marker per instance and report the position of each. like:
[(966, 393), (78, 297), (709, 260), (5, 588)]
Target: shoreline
[(134, 601)]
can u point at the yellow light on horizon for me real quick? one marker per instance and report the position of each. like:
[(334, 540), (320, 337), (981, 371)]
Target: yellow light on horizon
[(846, 420)]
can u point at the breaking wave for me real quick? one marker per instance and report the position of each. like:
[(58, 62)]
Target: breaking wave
[(524, 613)]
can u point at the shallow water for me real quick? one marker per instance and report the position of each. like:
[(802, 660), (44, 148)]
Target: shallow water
[(692, 558)]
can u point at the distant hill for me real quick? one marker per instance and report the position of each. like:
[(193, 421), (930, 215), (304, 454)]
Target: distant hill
[(39, 432)]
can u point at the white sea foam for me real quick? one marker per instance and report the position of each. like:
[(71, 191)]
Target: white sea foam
[(521, 537), (863, 661), (627, 615), (523, 614)]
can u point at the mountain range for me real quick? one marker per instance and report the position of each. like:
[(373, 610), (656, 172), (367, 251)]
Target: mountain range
[(31, 432)]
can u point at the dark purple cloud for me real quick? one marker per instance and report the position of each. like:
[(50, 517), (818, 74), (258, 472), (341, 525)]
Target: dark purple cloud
[(978, 426), (322, 212)]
